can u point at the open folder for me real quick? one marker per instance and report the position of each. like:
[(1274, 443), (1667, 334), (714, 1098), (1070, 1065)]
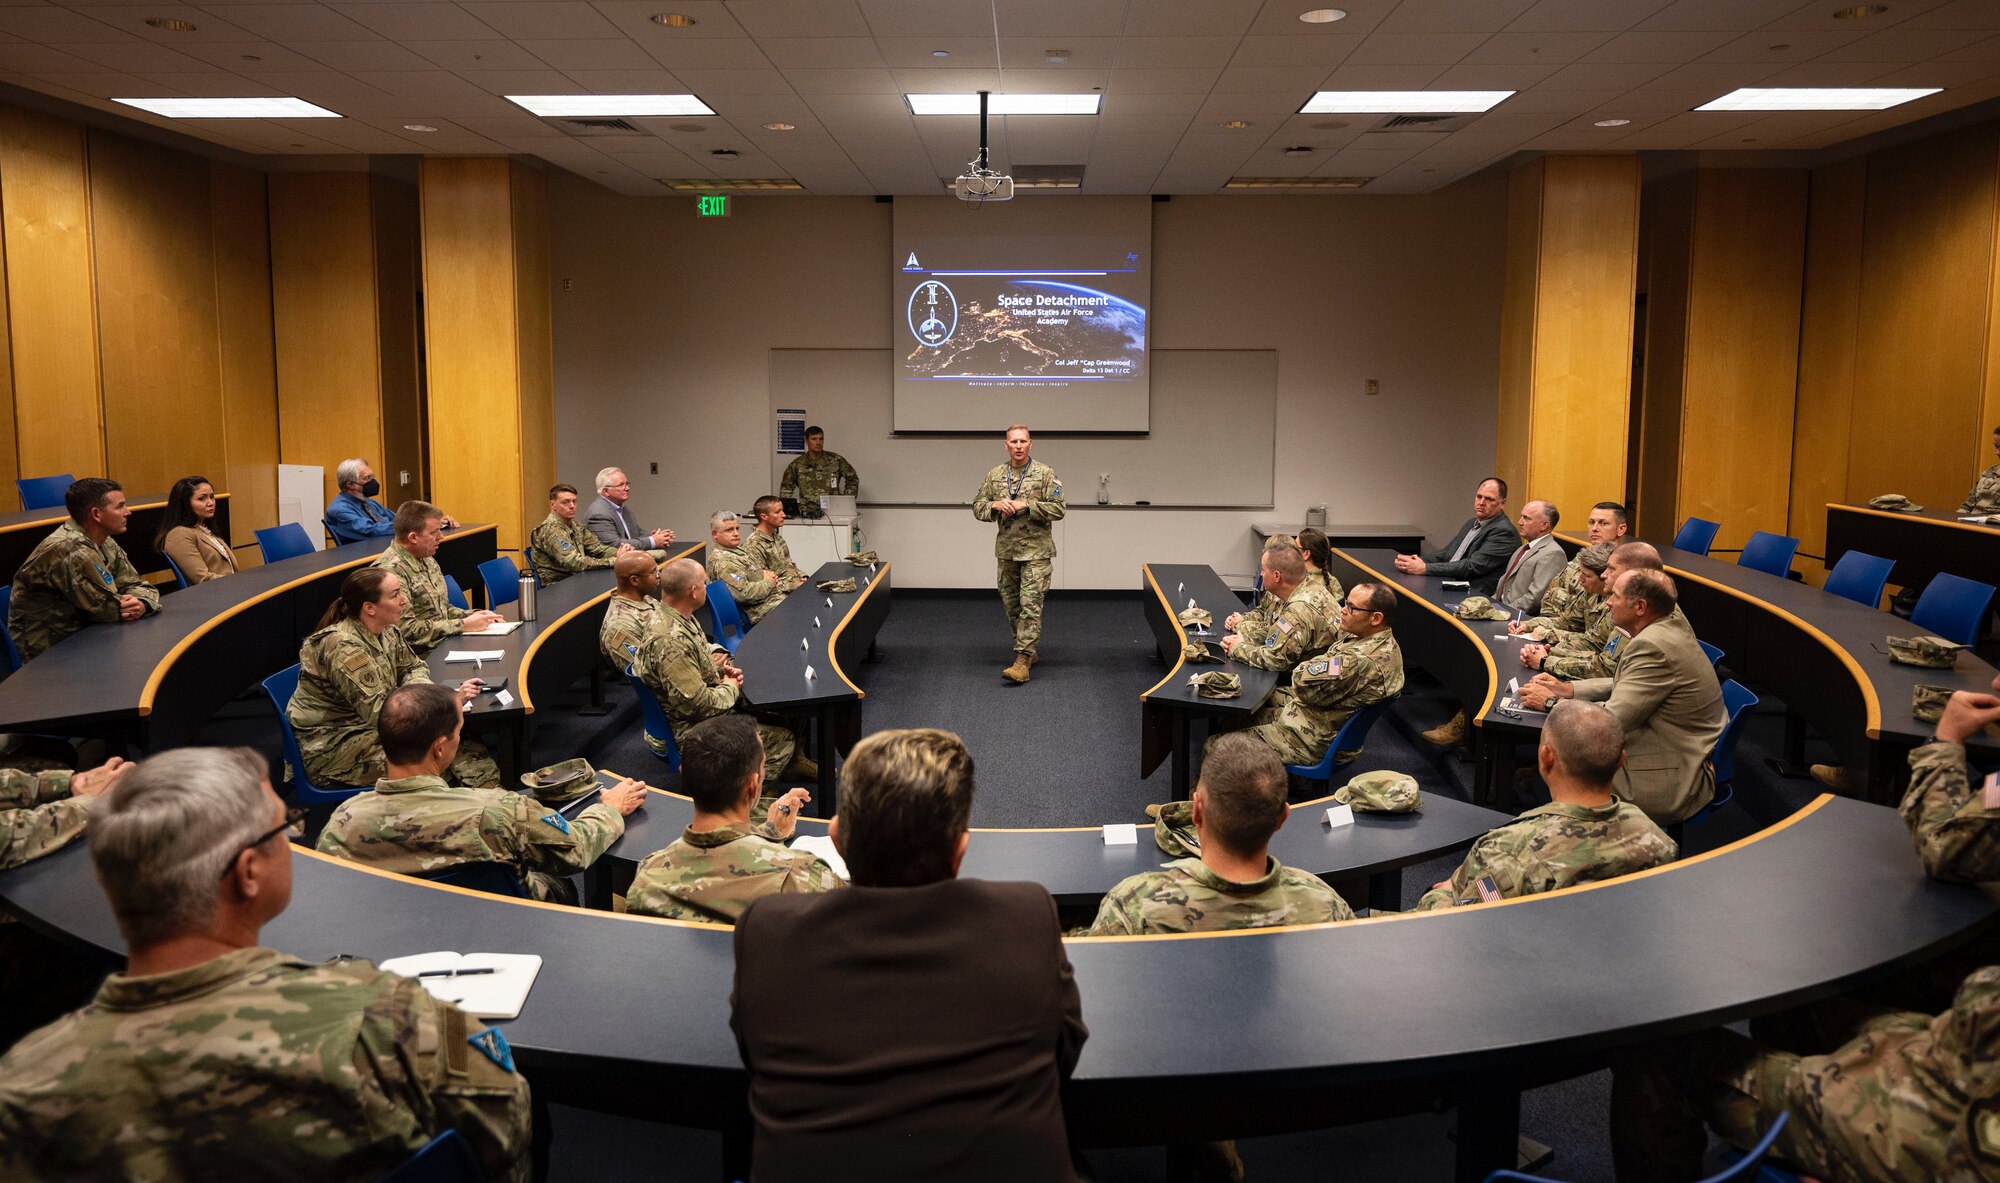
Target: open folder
[(499, 994)]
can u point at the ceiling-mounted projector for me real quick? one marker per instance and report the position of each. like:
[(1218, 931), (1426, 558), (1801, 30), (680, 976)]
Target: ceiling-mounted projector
[(981, 183)]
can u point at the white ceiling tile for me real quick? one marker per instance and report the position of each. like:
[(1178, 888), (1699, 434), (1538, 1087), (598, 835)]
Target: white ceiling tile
[(1816, 14), (713, 53), (924, 18), (1190, 18), (1607, 16), (1184, 51), (1987, 50), (654, 81), (417, 84), (1568, 141), (1117, 127), (1188, 81), (58, 25), (27, 58), (1518, 123), (328, 88), (1738, 15), (1720, 77), (512, 130), (418, 20), (1672, 46), (355, 56), (1415, 49), (208, 26), (822, 53), (1948, 74), (613, 53), (1828, 74), (801, 18), (1302, 80), (476, 55), (1048, 81), (918, 53), (1635, 122), (252, 57), (134, 57), (1561, 101), (811, 82), (216, 85), (1081, 18), (111, 85), (1151, 104), (1481, 76), (1079, 53), (1552, 49), (1899, 45), (1281, 18), (1601, 77), (1259, 107), (537, 20), (294, 24), (520, 81), (753, 109), (1666, 101), (1453, 16), (1359, 77), (1801, 45), (882, 110), (1960, 14)]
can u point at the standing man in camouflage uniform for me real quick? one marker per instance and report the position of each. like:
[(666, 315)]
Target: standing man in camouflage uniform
[(817, 473), (1910, 1098), (40, 812), (722, 862), (78, 576), (431, 616), (1300, 626), (1239, 802), (1985, 495), (413, 823), (754, 587), (767, 548), (1364, 665), (1582, 835), (676, 663), (561, 546), (346, 671), (211, 1058), (1024, 496)]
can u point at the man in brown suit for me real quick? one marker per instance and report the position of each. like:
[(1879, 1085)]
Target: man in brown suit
[(1665, 693), (942, 1016)]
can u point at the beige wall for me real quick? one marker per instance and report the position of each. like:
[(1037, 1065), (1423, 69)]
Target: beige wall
[(663, 327)]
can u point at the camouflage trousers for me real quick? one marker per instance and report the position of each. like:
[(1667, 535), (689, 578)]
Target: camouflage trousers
[(358, 760), (779, 746), (1869, 1111), (1293, 743), (1024, 584)]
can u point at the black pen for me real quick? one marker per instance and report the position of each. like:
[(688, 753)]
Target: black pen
[(456, 973)]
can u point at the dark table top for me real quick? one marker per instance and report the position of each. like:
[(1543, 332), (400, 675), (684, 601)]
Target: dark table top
[(1173, 585), (774, 662), (49, 519)]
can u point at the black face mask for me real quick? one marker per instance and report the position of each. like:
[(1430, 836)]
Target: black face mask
[(371, 488)]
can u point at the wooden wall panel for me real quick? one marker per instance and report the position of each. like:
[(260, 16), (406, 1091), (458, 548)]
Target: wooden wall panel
[(1669, 212), (247, 352), (395, 213), (325, 319), (10, 498), (536, 349), (1746, 271), (471, 345), (44, 191), (156, 308), (1927, 264), (1517, 319), (1830, 312)]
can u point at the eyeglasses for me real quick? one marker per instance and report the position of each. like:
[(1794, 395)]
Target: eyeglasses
[(293, 817)]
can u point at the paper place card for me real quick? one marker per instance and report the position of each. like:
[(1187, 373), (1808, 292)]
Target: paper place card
[(1339, 815), (1191, 602), (504, 698), (816, 623), (802, 645), (829, 601), (457, 655), (1121, 834), (1513, 685), (809, 674), (1179, 588), (1456, 585)]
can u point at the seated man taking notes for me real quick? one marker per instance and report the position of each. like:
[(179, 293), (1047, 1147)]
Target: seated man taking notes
[(431, 616)]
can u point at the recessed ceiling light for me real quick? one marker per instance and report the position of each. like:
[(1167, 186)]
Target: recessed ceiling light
[(285, 108), (1299, 150), (1296, 182), (675, 20), (1005, 104), (418, 127), (781, 127), (1816, 98), (1055, 57), (1323, 16), (940, 53), (1859, 11), (610, 105), (712, 184), (1611, 123), (725, 153), (1235, 124), (1402, 102), (170, 24)]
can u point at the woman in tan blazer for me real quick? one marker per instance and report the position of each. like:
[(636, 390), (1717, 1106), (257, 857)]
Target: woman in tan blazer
[(186, 535)]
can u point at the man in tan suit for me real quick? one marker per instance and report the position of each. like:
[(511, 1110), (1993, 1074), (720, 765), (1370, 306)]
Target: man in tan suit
[(1664, 692)]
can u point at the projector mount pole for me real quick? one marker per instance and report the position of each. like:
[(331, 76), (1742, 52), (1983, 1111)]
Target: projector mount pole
[(981, 170)]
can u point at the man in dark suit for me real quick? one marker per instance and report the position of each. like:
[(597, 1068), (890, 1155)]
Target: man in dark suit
[(610, 518), (1480, 549), (941, 1016)]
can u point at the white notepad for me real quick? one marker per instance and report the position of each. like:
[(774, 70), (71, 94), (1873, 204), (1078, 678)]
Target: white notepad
[(452, 655), (499, 995), (821, 847), (500, 629)]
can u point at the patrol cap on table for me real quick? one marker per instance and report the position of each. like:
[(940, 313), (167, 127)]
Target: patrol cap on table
[(1927, 702), (1173, 828), (1381, 792), (1894, 501), (1195, 653), (1196, 616), (864, 558), (1216, 684), (835, 585), (1934, 652), (559, 784), (1480, 608)]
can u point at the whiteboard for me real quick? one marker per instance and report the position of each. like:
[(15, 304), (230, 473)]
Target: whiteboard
[(1213, 442)]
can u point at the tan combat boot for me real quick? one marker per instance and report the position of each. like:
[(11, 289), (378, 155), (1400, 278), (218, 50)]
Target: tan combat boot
[(801, 768), (1018, 672), (1448, 734)]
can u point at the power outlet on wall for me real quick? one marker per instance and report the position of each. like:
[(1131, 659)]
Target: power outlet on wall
[(405, 475), (656, 468), (1371, 387)]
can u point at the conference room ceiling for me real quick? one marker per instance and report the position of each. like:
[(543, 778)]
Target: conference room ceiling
[(1172, 73)]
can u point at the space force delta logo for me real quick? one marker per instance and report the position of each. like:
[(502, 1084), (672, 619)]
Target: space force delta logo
[(932, 312)]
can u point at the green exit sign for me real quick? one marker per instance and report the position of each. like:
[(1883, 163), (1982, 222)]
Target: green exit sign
[(712, 205)]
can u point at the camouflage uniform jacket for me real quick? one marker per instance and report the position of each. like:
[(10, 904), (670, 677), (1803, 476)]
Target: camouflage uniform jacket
[(1594, 653), (431, 616), (1301, 627), (676, 664), (1957, 834), (627, 624), (1328, 594), (713, 875), (753, 593), (1555, 846), (810, 477), (559, 549), (37, 815), (1257, 622), (1353, 672), (770, 552), (68, 582), (1185, 896), (1026, 535), (256, 1065), (1985, 495), (1566, 605), (345, 673)]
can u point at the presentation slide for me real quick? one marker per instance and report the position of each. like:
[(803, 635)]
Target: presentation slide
[(1041, 328)]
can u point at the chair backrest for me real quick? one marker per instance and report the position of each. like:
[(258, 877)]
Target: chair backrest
[(180, 580), (1696, 535), (1736, 700), (286, 541), (280, 687), (502, 579), (1860, 577), (1953, 608), (43, 492), (1353, 733), (447, 1158), (492, 878), (728, 616), (1714, 654), (456, 595), (10, 655), (333, 532), (659, 729), (1769, 553), (1741, 1169)]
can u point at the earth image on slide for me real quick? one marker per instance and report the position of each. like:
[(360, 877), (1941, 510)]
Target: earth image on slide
[(1011, 341)]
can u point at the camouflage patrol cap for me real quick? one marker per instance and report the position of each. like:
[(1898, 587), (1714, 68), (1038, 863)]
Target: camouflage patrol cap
[(864, 558), (1381, 792), (1173, 828), (1216, 684), (559, 784), (1480, 608), (835, 585), (1894, 501), (1934, 652), (1196, 616), (1195, 653), (1927, 702)]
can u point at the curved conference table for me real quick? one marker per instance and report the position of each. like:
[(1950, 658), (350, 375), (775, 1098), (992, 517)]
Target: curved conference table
[(23, 530)]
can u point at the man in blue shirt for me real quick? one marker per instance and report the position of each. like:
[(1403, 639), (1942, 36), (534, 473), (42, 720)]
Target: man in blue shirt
[(353, 513)]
